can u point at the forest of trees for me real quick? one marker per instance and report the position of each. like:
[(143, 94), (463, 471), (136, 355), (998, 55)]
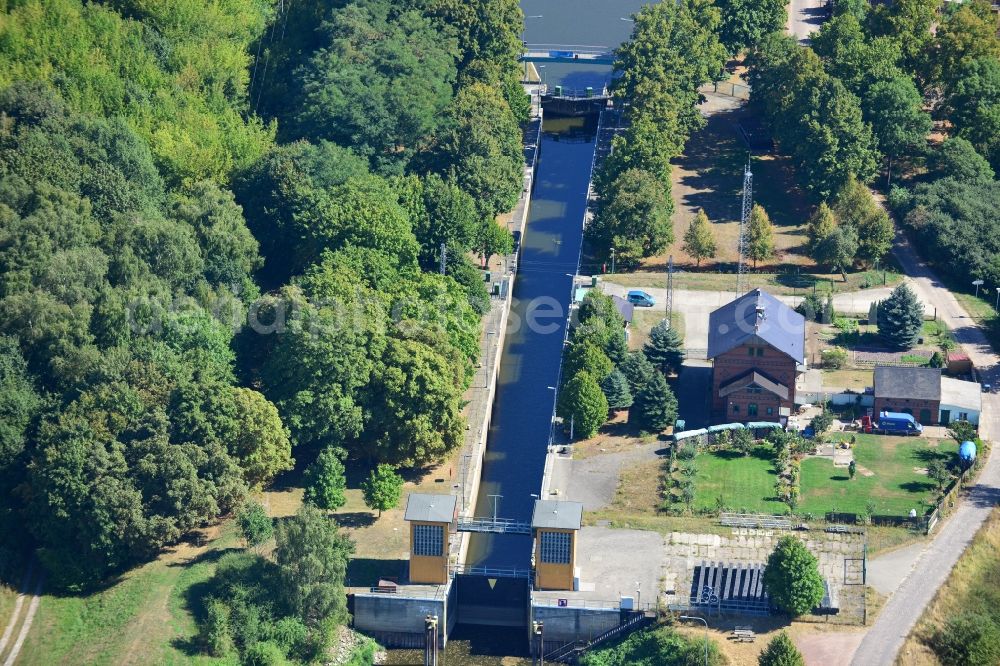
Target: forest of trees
[(219, 250)]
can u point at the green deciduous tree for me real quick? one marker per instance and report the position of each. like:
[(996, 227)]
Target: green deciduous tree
[(900, 318), (964, 35), (838, 249), (655, 406), (324, 480), (617, 391), (973, 105), (379, 83), (492, 239), (19, 401), (582, 402), (699, 241), (855, 208), (638, 210), (957, 158), (781, 651), (745, 22), (479, 147), (312, 556), (821, 224), (760, 235), (895, 110), (792, 577), (382, 488), (586, 356), (664, 348), (255, 525)]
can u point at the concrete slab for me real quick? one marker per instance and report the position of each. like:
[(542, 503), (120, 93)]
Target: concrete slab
[(615, 563)]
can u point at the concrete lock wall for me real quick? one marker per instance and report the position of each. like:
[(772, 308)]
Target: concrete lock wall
[(575, 624), (396, 621)]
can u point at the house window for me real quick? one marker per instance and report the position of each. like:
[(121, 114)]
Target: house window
[(736, 409), (752, 409), (428, 540), (770, 411), (749, 351), (555, 547), (963, 416), (753, 388), (760, 351)]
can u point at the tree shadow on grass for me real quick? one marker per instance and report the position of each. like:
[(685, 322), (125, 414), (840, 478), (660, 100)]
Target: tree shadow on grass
[(928, 456), (355, 519), (918, 486), (840, 477)]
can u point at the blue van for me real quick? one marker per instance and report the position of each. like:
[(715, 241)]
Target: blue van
[(640, 298), (895, 423)]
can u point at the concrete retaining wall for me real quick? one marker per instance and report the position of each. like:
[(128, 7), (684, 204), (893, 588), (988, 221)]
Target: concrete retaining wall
[(564, 625), (398, 621)]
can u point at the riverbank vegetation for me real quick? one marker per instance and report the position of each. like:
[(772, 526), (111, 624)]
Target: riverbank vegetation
[(222, 227)]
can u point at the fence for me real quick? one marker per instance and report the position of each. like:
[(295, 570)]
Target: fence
[(728, 88)]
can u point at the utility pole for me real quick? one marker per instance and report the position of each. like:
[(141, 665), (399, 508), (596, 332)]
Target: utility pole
[(670, 289), (572, 421), (741, 277), (612, 261), (444, 258)]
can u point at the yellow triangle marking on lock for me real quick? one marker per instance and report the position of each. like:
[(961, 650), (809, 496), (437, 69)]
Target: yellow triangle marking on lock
[(492, 582)]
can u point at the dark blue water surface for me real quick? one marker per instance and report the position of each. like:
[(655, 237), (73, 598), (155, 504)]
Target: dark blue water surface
[(522, 412)]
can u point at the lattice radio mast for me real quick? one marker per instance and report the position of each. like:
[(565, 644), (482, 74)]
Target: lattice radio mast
[(741, 271)]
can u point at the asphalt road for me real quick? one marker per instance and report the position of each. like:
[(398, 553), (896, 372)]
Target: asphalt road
[(904, 608)]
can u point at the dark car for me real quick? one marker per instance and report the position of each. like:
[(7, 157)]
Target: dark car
[(517, 242)]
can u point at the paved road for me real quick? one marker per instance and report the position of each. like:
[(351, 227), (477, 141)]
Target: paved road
[(697, 304), (905, 607), (804, 18)]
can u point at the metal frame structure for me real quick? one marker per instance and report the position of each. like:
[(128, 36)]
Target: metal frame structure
[(741, 276)]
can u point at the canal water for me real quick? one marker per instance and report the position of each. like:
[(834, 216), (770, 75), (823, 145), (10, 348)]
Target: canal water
[(550, 250), (529, 368)]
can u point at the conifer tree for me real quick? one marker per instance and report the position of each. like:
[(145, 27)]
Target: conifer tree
[(617, 391), (664, 349), (900, 318), (655, 406)]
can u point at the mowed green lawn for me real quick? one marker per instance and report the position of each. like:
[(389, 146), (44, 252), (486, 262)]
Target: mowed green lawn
[(745, 483), (887, 476)]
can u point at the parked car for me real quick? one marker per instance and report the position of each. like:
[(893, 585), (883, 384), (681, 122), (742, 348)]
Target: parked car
[(640, 298), (517, 242)]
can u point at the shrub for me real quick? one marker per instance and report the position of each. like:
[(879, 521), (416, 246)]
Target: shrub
[(970, 639), (255, 525), (780, 652), (834, 357)]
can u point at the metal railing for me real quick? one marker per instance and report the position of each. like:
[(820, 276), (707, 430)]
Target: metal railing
[(494, 526), (490, 572)]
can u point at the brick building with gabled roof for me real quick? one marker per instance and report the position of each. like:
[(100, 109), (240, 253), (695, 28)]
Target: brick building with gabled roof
[(757, 347)]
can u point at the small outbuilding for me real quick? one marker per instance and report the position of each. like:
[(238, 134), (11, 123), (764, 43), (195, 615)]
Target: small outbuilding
[(927, 395), (555, 525), (430, 518)]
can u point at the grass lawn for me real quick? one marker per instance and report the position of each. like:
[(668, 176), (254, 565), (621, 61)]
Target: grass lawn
[(887, 476), (851, 379), (790, 283), (971, 587), (643, 321), (745, 483), (142, 619)]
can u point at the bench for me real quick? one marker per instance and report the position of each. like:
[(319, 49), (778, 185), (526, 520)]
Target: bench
[(744, 635)]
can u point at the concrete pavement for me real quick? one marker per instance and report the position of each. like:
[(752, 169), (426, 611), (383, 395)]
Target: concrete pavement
[(804, 18), (903, 610)]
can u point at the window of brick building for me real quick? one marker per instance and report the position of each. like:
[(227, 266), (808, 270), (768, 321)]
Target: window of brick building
[(752, 409)]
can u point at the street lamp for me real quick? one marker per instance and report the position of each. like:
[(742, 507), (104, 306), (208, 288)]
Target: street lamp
[(977, 283), (628, 20), (998, 300), (703, 620), (612, 261)]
